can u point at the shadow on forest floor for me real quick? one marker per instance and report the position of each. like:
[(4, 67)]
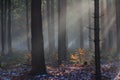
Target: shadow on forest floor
[(64, 72)]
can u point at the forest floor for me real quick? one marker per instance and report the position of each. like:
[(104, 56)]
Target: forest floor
[(64, 72)]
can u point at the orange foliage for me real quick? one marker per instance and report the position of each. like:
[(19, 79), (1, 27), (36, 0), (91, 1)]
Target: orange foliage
[(81, 51)]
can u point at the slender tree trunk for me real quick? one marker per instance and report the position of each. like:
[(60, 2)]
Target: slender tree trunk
[(9, 26), (81, 31), (90, 32), (2, 24), (103, 26), (52, 28), (62, 31), (27, 25), (96, 37), (0, 30), (106, 24), (5, 27), (38, 61), (118, 24), (108, 20), (59, 35), (81, 34), (110, 40), (50, 20), (49, 27)]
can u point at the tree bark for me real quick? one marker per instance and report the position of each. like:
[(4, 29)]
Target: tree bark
[(96, 37), (27, 26), (9, 27), (50, 20), (103, 27), (81, 31), (5, 27), (81, 34), (62, 56), (108, 41), (2, 24), (38, 61), (90, 32), (52, 41), (118, 24)]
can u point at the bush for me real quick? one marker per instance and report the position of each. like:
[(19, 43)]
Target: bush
[(81, 56), (14, 59)]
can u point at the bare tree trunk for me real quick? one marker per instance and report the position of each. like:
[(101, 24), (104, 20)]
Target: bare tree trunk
[(9, 27), (108, 41), (81, 34), (118, 24), (27, 25), (38, 61), (62, 31), (81, 31), (96, 37), (103, 27), (0, 30), (90, 32), (52, 28), (2, 24), (5, 27), (50, 20)]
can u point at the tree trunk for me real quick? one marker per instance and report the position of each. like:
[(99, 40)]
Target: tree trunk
[(9, 27), (62, 31), (96, 37), (81, 30), (27, 25), (108, 41), (38, 61), (52, 41), (103, 23), (118, 24), (5, 28), (89, 23), (50, 20), (81, 34), (2, 24)]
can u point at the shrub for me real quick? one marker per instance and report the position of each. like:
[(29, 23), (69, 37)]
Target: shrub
[(14, 59)]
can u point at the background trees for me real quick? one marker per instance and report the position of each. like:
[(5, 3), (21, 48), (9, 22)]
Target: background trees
[(67, 26), (5, 27)]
